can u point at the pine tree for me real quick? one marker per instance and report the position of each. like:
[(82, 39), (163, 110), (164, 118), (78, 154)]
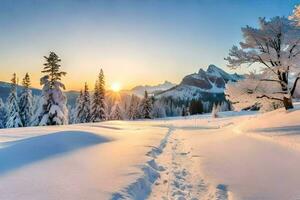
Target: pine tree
[(116, 113), (146, 106), (158, 110), (25, 102), (98, 110), (133, 110), (72, 115), (196, 107), (184, 111), (78, 107), (3, 112), (53, 109), (83, 109), (36, 101), (13, 115)]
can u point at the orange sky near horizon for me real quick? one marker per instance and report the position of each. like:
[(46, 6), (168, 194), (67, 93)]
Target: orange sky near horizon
[(75, 79)]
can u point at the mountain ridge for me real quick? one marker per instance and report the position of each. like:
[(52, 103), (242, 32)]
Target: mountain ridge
[(201, 84)]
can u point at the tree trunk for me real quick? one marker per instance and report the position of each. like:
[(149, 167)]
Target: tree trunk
[(288, 103)]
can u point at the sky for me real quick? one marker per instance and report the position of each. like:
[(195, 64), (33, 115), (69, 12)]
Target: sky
[(135, 42)]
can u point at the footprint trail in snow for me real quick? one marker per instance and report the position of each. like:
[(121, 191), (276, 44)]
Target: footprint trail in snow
[(182, 178)]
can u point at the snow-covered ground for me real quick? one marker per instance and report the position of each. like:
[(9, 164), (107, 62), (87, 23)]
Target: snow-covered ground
[(243, 155)]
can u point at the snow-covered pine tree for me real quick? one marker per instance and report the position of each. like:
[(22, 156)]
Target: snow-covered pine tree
[(53, 109), (72, 114), (3, 112), (98, 110), (36, 101), (133, 109), (117, 113), (78, 107), (146, 106), (158, 110), (25, 102), (83, 108), (13, 114)]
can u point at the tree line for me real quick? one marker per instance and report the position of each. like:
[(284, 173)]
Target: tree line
[(22, 109)]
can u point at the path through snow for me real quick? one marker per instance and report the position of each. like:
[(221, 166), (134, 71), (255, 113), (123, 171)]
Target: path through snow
[(173, 172), (215, 160), (231, 157), (182, 178)]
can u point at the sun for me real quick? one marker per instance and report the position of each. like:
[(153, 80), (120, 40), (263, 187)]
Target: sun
[(116, 87)]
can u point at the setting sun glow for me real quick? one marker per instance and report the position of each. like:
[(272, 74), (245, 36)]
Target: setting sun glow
[(116, 87)]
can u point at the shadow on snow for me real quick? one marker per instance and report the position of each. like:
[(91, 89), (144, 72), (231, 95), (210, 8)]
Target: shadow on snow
[(23, 152)]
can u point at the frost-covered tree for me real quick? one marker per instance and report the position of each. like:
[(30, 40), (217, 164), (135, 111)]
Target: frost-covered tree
[(117, 113), (98, 110), (3, 112), (53, 106), (146, 106), (133, 109), (274, 45), (36, 102), (83, 106), (158, 110), (72, 115), (215, 110), (242, 96), (13, 111), (78, 107), (25, 102), (224, 106)]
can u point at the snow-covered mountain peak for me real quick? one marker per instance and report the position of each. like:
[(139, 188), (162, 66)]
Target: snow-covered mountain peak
[(211, 81), (201, 71)]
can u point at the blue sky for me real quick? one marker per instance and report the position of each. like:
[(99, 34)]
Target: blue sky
[(135, 42)]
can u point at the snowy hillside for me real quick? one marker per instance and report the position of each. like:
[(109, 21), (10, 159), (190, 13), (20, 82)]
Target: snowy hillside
[(204, 84), (243, 155)]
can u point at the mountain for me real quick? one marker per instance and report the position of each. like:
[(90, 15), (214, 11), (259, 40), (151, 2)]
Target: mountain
[(204, 84), (5, 89), (140, 90)]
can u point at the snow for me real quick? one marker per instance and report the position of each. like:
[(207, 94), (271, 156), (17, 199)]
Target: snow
[(238, 155), (197, 84), (189, 92), (140, 90)]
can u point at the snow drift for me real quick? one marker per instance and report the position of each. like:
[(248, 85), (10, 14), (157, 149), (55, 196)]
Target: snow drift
[(26, 151)]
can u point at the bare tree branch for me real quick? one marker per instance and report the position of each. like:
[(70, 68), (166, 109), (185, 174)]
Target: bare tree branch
[(294, 86), (265, 96)]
